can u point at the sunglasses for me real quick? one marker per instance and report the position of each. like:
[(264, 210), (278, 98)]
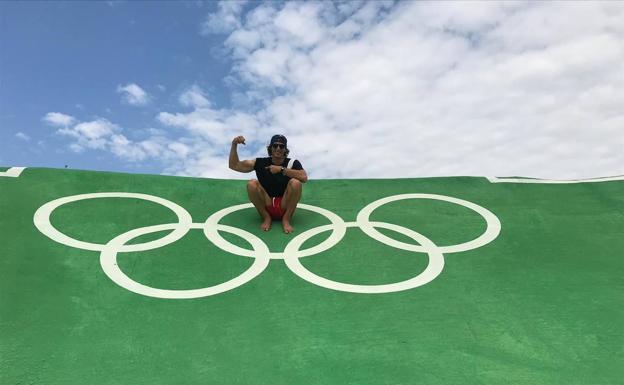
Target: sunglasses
[(278, 145)]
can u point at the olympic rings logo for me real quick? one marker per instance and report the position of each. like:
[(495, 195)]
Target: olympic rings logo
[(260, 251)]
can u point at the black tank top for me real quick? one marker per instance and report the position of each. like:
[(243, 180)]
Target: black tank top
[(274, 184)]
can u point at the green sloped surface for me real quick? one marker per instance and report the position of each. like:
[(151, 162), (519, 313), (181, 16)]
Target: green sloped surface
[(541, 304)]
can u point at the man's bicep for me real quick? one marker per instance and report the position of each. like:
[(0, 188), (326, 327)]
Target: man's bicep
[(247, 165)]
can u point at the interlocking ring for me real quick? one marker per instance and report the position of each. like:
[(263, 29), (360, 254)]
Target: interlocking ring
[(42, 222), (491, 232), (210, 230), (434, 267), (260, 251), (108, 261)]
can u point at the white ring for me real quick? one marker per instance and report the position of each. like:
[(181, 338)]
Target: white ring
[(212, 223), (261, 252), (433, 269), (42, 222), (108, 261), (491, 232)]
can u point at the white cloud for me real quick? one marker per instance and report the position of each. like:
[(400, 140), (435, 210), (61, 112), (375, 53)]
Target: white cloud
[(22, 136), (101, 134), (300, 23), (407, 89), (180, 149), (194, 97), (214, 126), (429, 88), (134, 95), (225, 19), (93, 135), (126, 149), (57, 119)]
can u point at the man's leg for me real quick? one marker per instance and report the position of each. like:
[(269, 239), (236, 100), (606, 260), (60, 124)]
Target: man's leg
[(260, 199), (292, 195)]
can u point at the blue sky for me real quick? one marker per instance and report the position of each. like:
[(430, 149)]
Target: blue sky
[(72, 56), (361, 89)]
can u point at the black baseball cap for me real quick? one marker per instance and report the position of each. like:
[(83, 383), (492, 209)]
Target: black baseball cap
[(279, 139)]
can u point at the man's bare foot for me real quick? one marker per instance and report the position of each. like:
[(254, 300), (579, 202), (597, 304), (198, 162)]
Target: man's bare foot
[(266, 224), (287, 227)]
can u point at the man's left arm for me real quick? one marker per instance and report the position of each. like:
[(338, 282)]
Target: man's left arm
[(300, 175)]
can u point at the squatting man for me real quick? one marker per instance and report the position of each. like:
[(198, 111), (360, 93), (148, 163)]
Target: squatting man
[(277, 190)]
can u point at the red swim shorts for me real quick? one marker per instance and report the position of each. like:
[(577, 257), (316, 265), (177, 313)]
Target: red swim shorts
[(275, 210)]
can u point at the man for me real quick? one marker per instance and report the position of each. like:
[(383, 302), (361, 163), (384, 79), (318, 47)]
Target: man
[(277, 190)]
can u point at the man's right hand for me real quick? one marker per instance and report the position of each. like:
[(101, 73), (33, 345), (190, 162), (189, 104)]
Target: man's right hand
[(239, 139)]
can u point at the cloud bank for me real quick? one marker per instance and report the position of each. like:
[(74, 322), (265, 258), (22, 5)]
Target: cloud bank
[(101, 134), (383, 89), (412, 89)]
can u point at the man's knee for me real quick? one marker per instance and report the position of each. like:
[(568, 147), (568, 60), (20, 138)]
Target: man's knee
[(256, 192), (253, 185), (295, 184)]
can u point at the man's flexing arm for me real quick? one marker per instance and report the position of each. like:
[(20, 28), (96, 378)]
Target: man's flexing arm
[(235, 163)]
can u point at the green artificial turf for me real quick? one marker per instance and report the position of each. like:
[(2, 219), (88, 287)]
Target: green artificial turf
[(543, 303)]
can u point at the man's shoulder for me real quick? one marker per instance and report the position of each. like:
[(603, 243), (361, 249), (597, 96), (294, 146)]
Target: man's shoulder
[(294, 163)]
